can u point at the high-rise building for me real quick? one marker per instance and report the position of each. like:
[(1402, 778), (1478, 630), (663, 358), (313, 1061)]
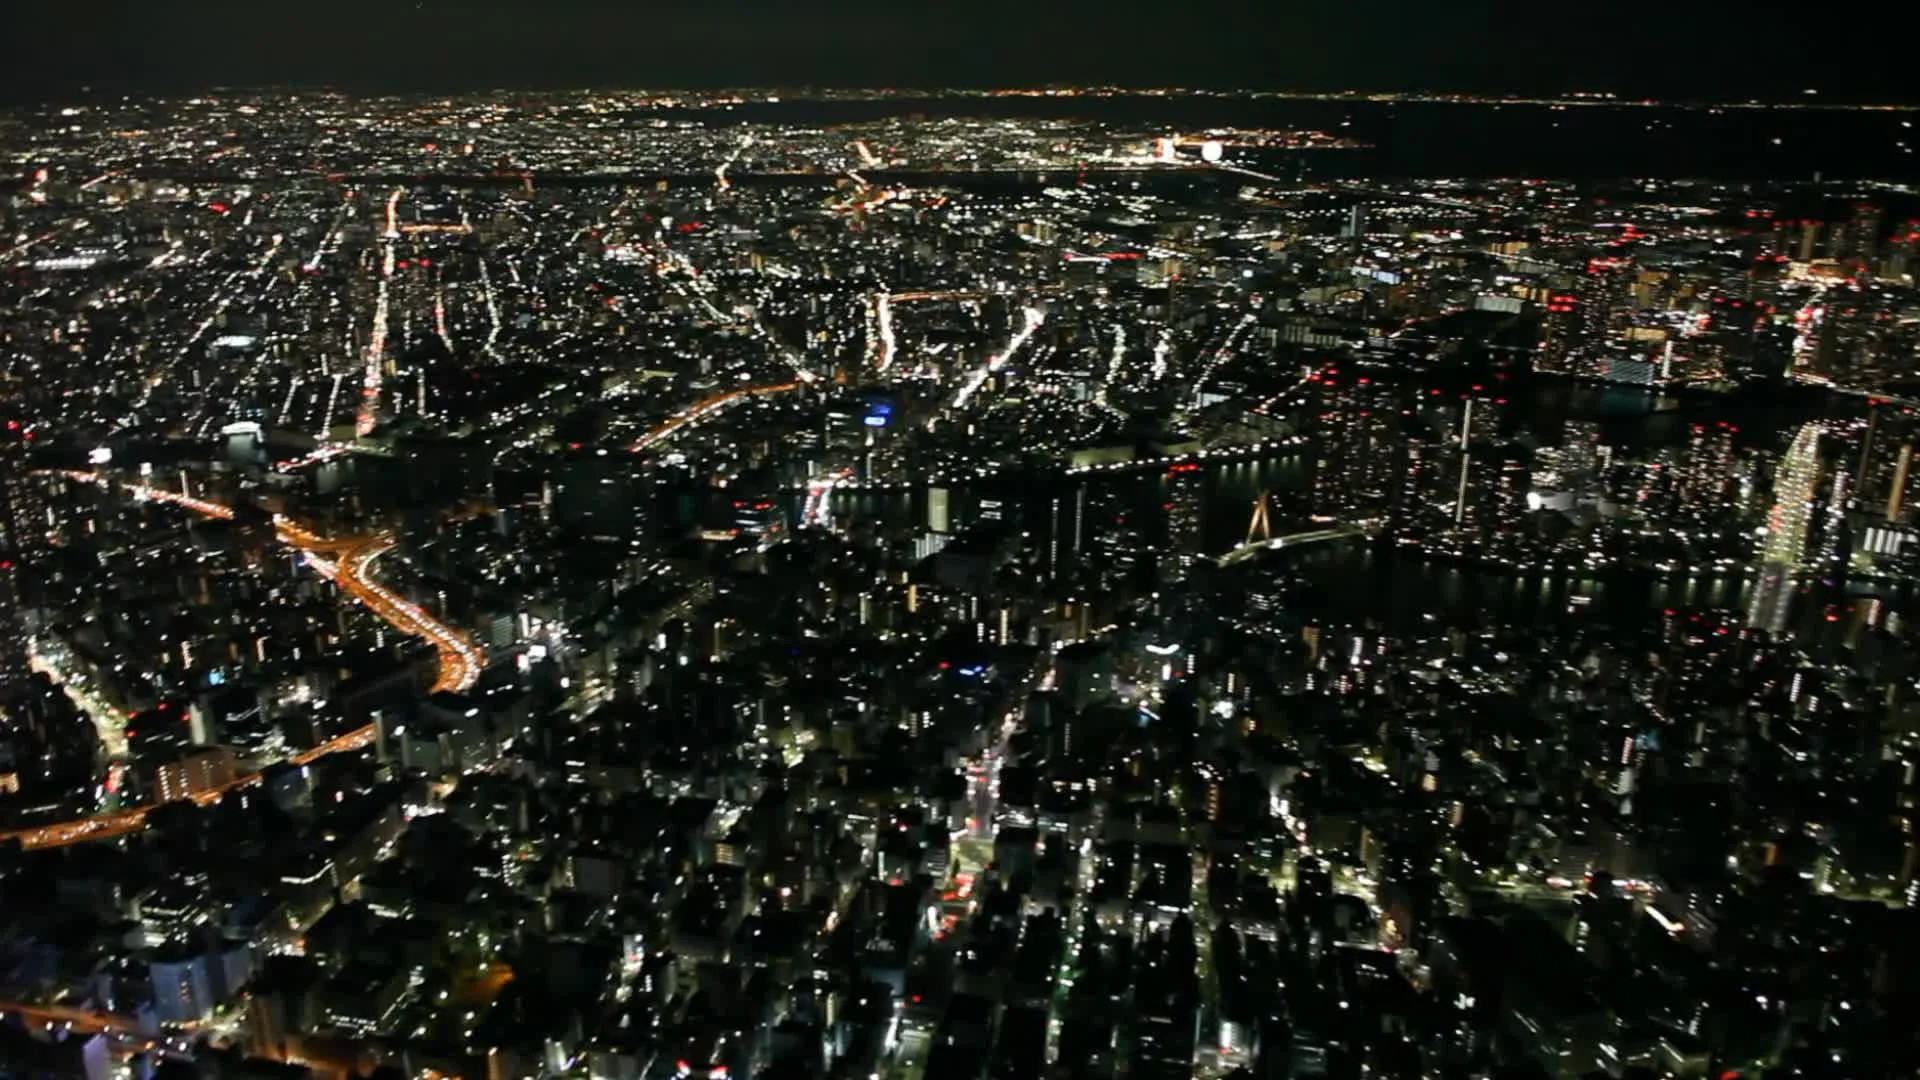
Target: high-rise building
[(1360, 426), (1580, 320), (14, 658), (1789, 525), (939, 510), (1706, 468), (24, 524), (1066, 531), (1184, 520)]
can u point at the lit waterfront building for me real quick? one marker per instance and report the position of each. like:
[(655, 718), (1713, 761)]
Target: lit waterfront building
[(1788, 526)]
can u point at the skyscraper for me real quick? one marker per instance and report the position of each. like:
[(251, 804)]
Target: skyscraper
[(23, 532), (14, 666), (1356, 473), (1788, 527), (1580, 320), (1184, 521)]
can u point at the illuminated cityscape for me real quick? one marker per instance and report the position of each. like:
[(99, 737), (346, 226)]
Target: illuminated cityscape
[(958, 584)]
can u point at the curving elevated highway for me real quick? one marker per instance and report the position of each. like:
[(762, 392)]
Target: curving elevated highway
[(349, 562)]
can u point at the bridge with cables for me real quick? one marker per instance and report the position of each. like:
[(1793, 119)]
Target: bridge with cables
[(1261, 538)]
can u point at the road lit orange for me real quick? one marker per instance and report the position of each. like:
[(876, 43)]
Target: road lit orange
[(350, 559)]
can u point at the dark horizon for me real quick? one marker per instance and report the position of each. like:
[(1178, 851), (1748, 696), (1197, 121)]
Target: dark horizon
[(358, 46)]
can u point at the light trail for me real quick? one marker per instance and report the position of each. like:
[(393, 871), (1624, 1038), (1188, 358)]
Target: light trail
[(692, 282), (29, 244), (1116, 362), (720, 174), (1309, 374), (493, 305), (1220, 356), (333, 404), (377, 336), (1162, 346), (106, 719), (701, 410), (915, 297), (883, 319), (1035, 317), (818, 508)]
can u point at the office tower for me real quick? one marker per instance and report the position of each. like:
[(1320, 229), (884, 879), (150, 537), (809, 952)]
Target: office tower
[(1066, 531), (1807, 244), (1706, 468), (1482, 482), (1355, 229), (23, 533), (1862, 244), (1183, 508), (1583, 456), (1580, 320), (1359, 442), (1897, 488), (14, 657), (1424, 474), (939, 510), (23, 506)]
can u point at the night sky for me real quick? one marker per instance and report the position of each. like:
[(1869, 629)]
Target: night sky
[(1717, 50)]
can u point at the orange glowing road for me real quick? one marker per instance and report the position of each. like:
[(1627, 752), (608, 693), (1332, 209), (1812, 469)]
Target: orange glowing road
[(349, 563), (85, 1021), (700, 410)]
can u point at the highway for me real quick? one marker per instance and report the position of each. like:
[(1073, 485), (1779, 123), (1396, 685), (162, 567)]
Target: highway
[(720, 174), (880, 341), (883, 326), (377, 336), (349, 562), (707, 407), (1034, 317), (1220, 356), (9, 254)]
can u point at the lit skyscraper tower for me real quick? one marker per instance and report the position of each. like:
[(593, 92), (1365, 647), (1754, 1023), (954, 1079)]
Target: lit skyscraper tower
[(1360, 449), (1184, 520), (23, 532), (14, 659), (1789, 524), (1580, 321)]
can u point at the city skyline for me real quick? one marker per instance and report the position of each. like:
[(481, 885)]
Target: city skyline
[(1060, 585), (416, 46)]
